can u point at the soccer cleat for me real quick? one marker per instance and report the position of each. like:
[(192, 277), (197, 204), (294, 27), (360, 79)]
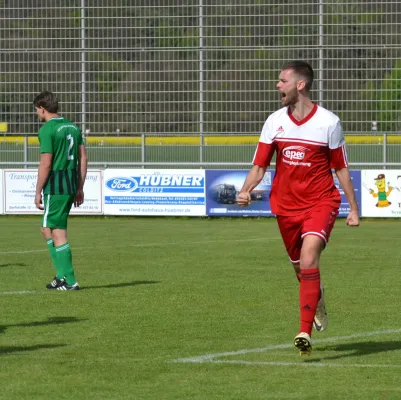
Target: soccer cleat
[(303, 343), (55, 283), (64, 286), (321, 320)]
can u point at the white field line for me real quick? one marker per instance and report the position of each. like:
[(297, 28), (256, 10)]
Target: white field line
[(212, 357), (158, 244), (303, 364), (24, 251), (19, 292)]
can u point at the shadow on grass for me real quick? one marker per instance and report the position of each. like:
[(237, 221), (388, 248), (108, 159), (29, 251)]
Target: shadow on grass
[(49, 321), (19, 349), (13, 265), (119, 285), (358, 349)]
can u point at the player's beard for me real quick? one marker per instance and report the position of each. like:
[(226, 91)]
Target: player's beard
[(290, 98)]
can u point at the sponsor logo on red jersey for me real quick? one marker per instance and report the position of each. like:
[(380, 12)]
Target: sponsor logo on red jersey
[(295, 152)]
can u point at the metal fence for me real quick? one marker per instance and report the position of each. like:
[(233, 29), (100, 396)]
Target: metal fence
[(197, 67), (380, 150)]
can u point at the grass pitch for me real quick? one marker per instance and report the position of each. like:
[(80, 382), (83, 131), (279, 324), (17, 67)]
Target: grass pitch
[(160, 290)]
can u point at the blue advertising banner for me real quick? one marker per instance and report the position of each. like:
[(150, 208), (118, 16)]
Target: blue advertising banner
[(356, 180), (222, 188), (154, 192)]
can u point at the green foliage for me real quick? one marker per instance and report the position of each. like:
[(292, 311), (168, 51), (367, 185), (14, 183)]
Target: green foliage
[(76, 18), (389, 101), (288, 35), (5, 107), (244, 46), (168, 35)]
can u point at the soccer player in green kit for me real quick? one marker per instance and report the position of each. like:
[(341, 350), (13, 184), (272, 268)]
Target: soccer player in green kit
[(61, 178)]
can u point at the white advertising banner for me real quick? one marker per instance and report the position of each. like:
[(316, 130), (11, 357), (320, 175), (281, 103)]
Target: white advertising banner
[(1, 193), (19, 192), (93, 191), (154, 192), (381, 193)]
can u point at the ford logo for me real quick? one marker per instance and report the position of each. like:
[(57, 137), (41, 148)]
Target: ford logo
[(122, 184)]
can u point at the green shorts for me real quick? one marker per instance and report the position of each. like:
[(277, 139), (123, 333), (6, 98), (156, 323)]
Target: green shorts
[(57, 208)]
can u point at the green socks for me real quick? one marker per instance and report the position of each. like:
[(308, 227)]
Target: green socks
[(53, 255), (64, 263)]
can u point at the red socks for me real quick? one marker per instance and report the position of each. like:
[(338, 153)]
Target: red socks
[(309, 297)]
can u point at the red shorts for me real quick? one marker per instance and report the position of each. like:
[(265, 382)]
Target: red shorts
[(318, 221)]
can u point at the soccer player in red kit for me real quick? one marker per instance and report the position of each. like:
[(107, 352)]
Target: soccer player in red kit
[(309, 143)]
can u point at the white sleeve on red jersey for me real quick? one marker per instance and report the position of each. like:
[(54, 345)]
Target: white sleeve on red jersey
[(338, 150), (265, 149)]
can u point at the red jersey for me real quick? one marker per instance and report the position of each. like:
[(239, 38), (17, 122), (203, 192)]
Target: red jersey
[(306, 150)]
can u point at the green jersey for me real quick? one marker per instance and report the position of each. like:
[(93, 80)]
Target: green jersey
[(62, 138)]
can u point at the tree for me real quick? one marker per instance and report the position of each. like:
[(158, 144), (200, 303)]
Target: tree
[(389, 101)]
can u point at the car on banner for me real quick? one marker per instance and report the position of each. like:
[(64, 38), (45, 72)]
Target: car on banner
[(222, 189), (259, 195), (226, 193), (223, 193)]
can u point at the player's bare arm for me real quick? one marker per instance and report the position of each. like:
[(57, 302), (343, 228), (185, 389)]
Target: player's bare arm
[(82, 170), (344, 178), (44, 170), (253, 179)]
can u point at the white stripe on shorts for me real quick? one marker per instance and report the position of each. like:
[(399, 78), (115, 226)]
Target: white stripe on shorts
[(46, 211), (315, 234)]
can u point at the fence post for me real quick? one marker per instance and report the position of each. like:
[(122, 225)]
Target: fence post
[(384, 149), (143, 150), (25, 151), (201, 82)]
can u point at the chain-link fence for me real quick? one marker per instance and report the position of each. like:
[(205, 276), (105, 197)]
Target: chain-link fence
[(197, 67)]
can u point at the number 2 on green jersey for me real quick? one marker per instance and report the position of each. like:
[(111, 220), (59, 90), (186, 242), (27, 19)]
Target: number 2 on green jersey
[(71, 140)]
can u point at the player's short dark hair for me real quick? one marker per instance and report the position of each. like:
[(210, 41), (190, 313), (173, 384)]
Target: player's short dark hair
[(302, 68), (47, 100)]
